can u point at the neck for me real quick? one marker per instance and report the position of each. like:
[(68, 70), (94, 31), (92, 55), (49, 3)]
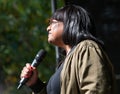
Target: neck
[(67, 49)]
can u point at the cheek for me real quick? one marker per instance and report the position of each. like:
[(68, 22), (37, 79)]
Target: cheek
[(55, 28), (58, 30), (55, 34)]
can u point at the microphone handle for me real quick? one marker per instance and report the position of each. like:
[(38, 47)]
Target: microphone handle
[(22, 82)]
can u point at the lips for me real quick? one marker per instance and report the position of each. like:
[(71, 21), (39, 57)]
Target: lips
[(49, 34)]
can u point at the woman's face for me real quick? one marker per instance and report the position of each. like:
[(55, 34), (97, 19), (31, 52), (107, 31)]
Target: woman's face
[(55, 30)]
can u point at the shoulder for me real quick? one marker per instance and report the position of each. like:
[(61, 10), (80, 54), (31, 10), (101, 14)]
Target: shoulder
[(88, 43), (88, 49)]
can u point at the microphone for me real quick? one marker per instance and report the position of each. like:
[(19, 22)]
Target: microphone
[(38, 58)]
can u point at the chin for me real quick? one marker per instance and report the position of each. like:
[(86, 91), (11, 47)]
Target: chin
[(49, 41)]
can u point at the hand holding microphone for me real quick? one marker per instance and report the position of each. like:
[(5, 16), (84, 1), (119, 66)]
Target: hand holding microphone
[(29, 69), (28, 73)]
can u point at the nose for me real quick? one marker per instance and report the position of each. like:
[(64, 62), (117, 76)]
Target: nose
[(48, 28)]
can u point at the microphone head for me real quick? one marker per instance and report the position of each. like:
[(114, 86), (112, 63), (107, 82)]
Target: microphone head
[(39, 57)]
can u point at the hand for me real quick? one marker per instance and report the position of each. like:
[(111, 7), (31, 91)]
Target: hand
[(31, 73)]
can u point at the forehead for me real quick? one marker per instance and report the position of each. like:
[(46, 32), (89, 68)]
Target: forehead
[(53, 20)]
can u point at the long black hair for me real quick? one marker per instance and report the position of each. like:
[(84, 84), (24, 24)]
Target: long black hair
[(78, 24)]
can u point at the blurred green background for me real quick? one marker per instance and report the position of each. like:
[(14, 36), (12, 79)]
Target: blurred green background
[(22, 34)]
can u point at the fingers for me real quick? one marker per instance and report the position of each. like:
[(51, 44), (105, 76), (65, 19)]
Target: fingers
[(27, 71)]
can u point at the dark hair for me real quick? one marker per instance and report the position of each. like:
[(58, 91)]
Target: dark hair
[(78, 24)]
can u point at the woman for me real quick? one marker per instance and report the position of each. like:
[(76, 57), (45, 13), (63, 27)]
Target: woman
[(86, 69)]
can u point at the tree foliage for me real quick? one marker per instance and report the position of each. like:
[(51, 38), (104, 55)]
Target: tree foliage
[(22, 34)]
